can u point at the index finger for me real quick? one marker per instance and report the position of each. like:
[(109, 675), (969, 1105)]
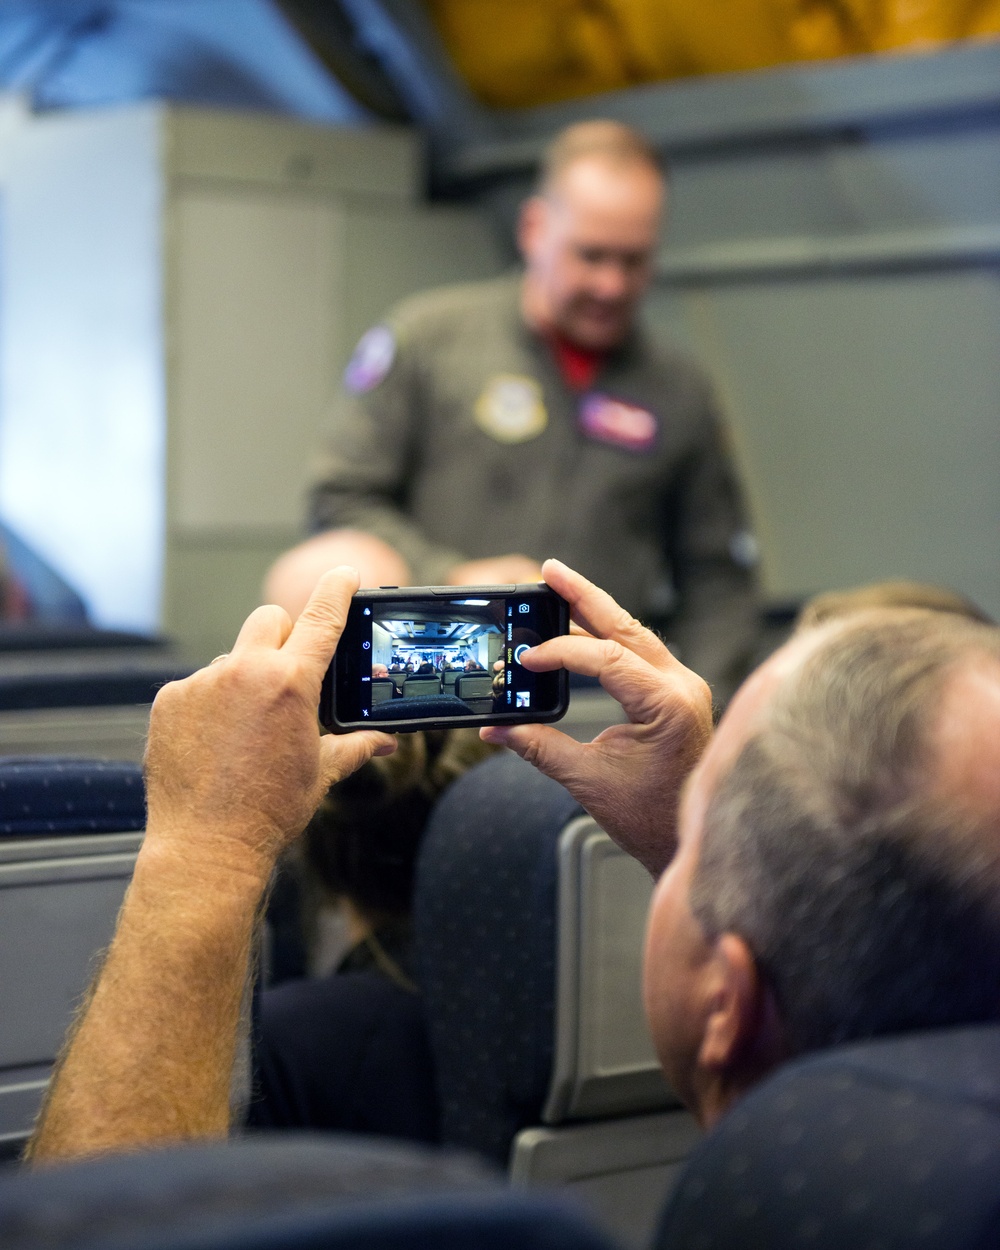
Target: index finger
[(317, 631), (595, 610), (635, 683)]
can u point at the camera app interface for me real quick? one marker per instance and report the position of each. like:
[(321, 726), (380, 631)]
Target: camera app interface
[(459, 657)]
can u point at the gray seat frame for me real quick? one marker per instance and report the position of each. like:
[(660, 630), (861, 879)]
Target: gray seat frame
[(612, 1130), (59, 901)]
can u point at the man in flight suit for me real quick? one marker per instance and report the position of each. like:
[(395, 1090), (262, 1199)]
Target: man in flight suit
[(489, 425)]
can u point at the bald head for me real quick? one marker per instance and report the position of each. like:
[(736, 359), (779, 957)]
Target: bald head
[(612, 143), (966, 742)]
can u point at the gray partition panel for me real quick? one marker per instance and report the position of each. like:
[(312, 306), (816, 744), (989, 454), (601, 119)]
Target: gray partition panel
[(59, 899), (623, 1170), (865, 411), (111, 733), (604, 1062)]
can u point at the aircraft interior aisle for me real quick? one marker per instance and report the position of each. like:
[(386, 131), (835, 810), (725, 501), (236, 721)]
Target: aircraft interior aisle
[(364, 273)]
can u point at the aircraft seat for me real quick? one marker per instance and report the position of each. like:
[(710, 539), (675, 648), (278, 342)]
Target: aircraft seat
[(529, 926), (894, 1142), (476, 691), (421, 705), (69, 833), (413, 686), (383, 688), (49, 680), (287, 1192), (83, 699)]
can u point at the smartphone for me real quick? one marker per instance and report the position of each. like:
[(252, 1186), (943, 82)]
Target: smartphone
[(433, 657)]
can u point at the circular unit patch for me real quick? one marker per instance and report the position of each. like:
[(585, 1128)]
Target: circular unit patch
[(511, 409)]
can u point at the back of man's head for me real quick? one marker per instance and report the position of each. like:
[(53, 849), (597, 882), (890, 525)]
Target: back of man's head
[(855, 842)]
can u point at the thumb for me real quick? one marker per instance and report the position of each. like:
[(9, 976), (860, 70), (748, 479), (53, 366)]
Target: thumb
[(343, 754)]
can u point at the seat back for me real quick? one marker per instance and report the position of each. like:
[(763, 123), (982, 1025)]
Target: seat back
[(604, 1062), (612, 1129), (69, 833), (485, 931), (448, 679), (83, 699), (114, 733), (421, 707), (529, 926), (890, 1143), (382, 688), (421, 685), (105, 678), (475, 690), (286, 1192)]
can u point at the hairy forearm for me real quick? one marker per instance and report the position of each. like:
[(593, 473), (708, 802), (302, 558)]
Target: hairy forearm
[(151, 1056)]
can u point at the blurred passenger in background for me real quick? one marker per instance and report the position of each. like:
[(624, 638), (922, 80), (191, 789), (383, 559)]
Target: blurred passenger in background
[(14, 605), (32, 591), (349, 1051), (542, 402)]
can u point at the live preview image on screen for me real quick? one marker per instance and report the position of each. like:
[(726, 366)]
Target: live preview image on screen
[(451, 657)]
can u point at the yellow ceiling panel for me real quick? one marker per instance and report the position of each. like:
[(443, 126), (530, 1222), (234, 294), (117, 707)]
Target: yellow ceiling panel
[(518, 53)]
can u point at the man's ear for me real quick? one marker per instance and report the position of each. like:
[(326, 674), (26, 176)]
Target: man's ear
[(742, 1031), (530, 224)]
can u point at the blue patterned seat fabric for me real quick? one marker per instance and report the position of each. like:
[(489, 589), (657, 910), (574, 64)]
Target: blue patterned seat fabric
[(55, 795), (485, 928), (287, 1192), (892, 1144), (420, 706)]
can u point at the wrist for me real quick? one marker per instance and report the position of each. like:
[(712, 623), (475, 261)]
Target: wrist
[(213, 865)]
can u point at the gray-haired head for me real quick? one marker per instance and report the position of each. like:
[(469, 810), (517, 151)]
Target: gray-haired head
[(866, 888)]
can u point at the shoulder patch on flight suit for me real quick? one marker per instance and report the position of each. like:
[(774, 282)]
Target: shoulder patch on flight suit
[(371, 361), (609, 420), (511, 408)]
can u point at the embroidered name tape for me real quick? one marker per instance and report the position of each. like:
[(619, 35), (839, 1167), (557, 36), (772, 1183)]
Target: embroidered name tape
[(613, 421), (511, 409), (371, 361)]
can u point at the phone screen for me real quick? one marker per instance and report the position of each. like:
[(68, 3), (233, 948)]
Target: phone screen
[(429, 657)]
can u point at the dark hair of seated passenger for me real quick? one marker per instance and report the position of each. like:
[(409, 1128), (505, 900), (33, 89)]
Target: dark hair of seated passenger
[(363, 841)]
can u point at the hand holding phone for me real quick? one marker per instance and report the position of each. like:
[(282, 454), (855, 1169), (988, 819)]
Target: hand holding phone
[(443, 656), (630, 776)]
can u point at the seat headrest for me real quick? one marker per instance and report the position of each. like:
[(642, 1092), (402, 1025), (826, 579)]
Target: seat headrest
[(266, 1194), (890, 1143), (52, 794), (420, 706), (485, 928)]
